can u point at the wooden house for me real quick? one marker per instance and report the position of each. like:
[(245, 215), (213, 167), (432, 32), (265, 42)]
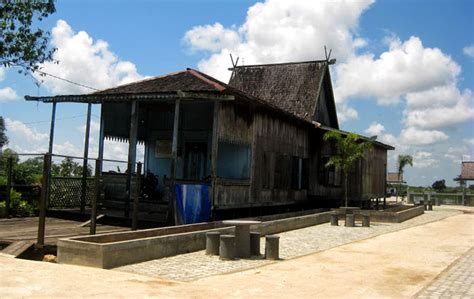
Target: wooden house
[(254, 142)]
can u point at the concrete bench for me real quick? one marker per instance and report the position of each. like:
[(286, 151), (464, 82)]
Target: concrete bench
[(272, 247), (212, 243), (227, 247), (254, 243)]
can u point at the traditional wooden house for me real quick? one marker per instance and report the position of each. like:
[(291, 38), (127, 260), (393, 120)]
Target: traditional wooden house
[(252, 143)]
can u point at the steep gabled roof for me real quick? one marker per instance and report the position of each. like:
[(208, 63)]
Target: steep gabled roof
[(467, 171), (293, 87)]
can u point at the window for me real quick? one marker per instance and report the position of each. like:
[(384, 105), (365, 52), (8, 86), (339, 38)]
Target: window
[(299, 173), (233, 161), (329, 176)]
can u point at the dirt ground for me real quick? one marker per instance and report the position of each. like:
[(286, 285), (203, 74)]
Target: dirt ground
[(396, 265)]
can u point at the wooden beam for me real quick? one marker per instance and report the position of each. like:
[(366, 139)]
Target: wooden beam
[(132, 154), (136, 197), (96, 197), (174, 146), (9, 185), (100, 154), (173, 216), (51, 129), (43, 200), (85, 159), (214, 151)]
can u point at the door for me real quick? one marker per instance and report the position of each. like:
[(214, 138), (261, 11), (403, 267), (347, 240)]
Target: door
[(195, 160)]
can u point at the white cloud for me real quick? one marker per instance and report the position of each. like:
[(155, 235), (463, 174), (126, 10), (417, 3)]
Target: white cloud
[(346, 113), (423, 159), (8, 94), (439, 107), (405, 67), (94, 127), (2, 73), (458, 154), (375, 129), (29, 134), (469, 141), (85, 61), (414, 136), (276, 31), (469, 51)]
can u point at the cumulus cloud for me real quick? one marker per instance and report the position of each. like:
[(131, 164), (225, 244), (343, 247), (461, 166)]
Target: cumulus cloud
[(29, 134), (276, 31), (375, 129), (8, 94), (458, 154), (414, 136), (469, 51), (85, 61), (469, 141), (94, 127), (405, 67), (423, 159)]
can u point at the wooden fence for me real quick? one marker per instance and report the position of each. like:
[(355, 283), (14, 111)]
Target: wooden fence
[(65, 192)]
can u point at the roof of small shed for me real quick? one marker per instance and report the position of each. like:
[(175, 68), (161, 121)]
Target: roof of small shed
[(467, 171), (394, 177), (293, 87)]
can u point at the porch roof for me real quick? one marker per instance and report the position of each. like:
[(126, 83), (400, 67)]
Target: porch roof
[(467, 171)]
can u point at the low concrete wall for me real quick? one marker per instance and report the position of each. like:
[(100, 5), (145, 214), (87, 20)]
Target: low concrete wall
[(117, 249), (394, 217)]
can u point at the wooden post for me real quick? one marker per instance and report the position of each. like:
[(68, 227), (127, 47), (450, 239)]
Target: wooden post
[(101, 135), (9, 185), (51, 129), (174, 157), (96, 197), (84, 162), (43, 200), (132, 154), (214, 151), (137, 197)]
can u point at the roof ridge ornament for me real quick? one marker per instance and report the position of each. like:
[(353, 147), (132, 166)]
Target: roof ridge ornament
[(234, 65), (329, 61)]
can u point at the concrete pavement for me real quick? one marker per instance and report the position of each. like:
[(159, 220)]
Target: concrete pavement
[(398, 264)]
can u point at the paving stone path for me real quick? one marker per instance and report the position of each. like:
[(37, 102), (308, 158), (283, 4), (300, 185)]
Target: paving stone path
[(456, 282), (195, 265)]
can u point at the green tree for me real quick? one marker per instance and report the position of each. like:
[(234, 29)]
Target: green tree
[(20, 43), (349, 150), (70, 168), (3, 135), (403, 161), (439, 186)]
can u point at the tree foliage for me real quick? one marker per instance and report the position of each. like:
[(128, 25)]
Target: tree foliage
[(20, 43), (349, 149), (439, 186), (3, 135), (403, 161)]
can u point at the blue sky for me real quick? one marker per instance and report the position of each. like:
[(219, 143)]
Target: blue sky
[(404, 72)]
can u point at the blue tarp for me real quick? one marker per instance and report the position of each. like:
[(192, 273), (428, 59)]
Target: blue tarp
[(193, 202)]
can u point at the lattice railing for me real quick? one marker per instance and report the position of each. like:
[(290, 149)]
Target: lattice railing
[(65, 192)]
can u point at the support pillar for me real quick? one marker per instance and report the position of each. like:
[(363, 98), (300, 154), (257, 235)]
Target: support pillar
[(85, 159), (96, 198), (9, 185), (136, 197), (132, 154), (43, 200), (172, 208), (214, 150)]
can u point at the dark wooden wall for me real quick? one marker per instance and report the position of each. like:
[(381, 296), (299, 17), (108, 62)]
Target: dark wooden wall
[(275, 144)]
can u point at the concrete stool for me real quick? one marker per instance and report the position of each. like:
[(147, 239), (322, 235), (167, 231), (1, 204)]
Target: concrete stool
[(212, 243), (272, 247), (334, 219), (430, 206), (425, 205), (350, 220), (366, 220), (227, 247), (254, 243)]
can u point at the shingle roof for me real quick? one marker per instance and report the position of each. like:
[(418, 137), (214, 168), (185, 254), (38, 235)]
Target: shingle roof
[(187, 80), (293, 87), (394, 177), (467, 170)]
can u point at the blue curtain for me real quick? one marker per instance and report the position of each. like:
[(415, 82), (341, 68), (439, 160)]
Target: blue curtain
[(193, 202)]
